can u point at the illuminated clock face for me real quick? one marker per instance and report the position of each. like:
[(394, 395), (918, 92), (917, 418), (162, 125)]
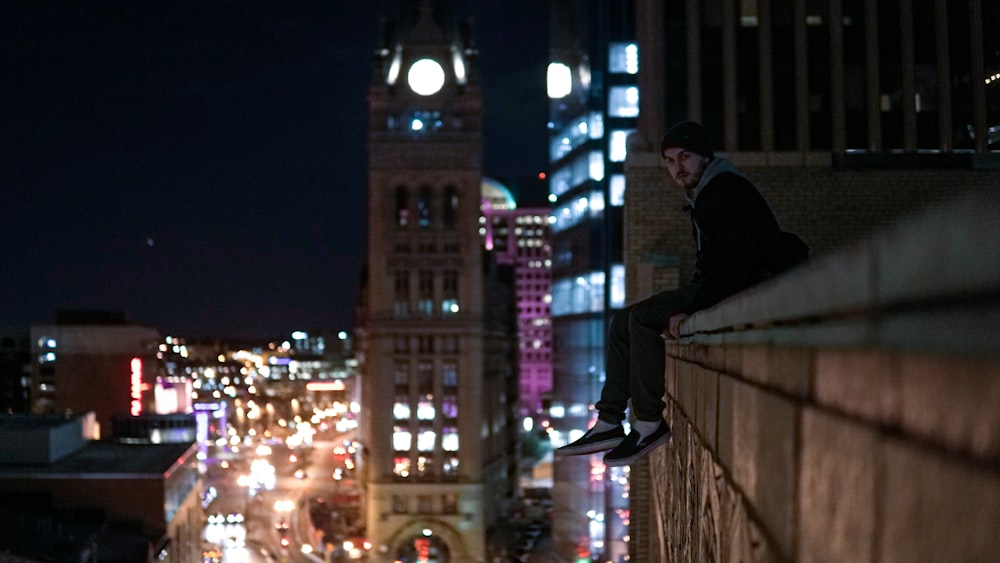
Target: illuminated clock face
[(425, 77)]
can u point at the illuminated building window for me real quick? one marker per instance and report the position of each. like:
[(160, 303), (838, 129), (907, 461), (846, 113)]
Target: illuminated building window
[(560, 146), (575, 134), (559, 80), (595, 126), (449, 304), (573, 212), (419, 122), (623, 58), (583, 294), (561, 181), (567, 215), (618, 147), (623, 101), (596, 205), (425, 466), (617, 285), (426, 440), (424, 208), (595, 164), (449, 374), (450, 468), (401, 467), (449, 439), (616, 187), (402, 439), (425, 408), (402, 207), (401, 408), (449, 406), (587, 166)]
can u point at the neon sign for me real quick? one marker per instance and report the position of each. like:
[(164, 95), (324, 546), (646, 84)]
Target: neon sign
[(135, 386)]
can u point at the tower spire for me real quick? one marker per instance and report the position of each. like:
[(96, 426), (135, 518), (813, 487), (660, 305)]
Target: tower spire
[(428, 27)]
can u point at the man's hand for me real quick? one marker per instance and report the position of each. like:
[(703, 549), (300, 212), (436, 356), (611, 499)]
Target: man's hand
[(674, 326)]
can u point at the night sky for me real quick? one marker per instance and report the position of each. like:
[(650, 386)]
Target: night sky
[(200, 164)]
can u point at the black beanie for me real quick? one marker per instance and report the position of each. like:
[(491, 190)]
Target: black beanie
[(687, 135)]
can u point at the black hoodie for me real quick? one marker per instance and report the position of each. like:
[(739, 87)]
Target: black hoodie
[(734, 230)]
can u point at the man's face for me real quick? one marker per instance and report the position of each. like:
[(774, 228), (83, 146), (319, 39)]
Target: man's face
[(685, 167)]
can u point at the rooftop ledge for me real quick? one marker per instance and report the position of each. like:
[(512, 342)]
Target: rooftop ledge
[(928, 283)]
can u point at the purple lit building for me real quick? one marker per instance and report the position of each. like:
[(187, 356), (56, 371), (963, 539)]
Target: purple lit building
[(520, 237)]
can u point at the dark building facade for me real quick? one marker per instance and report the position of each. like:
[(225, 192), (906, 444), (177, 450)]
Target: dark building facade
[(859, 123), (71, 498), (15, 370), (94, 361), (847, 115), (903, 76)]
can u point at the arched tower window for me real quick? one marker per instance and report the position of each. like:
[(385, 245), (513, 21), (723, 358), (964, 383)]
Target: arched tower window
[(401, 293), (449, 301), (450, 207), (402, 207), (425, 288), (424, 207)]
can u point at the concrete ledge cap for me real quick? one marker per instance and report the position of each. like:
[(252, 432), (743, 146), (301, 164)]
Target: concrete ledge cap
[(949, 256)]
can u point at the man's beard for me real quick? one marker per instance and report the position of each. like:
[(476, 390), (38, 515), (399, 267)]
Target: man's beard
[(686, 183)]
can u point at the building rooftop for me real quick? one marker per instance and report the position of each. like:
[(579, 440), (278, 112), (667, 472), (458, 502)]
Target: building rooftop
[(105, 459), (22, 422)]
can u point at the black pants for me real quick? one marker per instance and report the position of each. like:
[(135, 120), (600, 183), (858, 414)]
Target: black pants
[(636, 357)]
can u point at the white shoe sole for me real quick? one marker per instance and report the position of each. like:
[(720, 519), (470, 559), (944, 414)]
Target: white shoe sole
[(591, 448)]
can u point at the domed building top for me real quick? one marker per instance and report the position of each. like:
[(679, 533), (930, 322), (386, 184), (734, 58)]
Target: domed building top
[(496, 195)]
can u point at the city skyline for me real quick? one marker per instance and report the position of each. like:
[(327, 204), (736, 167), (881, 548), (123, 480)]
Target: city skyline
[(202, 168)]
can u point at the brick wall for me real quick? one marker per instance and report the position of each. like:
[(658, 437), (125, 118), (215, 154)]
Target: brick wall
[(828, 207), (846, 411)]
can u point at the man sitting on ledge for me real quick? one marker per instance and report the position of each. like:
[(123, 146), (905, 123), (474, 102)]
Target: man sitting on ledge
[(739, 243)]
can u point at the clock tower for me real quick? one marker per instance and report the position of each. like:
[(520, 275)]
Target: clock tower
[(438, 370)]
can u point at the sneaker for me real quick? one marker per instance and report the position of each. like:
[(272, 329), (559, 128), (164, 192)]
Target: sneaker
[(634, 447), (593, 442)]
